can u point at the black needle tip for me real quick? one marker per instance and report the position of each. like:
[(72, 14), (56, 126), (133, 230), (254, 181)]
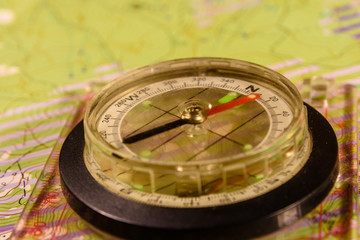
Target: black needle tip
[(155, 131)]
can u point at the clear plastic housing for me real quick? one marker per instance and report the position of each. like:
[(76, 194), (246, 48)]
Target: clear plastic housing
[(123, 172)]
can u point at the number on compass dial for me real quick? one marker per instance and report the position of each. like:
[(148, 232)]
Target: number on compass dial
[(195, 121)]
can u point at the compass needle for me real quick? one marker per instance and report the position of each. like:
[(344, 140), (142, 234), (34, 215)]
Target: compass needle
[(233, 103), (154, 131), (199, 144), (189, 120)]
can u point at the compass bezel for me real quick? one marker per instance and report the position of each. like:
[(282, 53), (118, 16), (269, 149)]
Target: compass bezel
[(126, 218)]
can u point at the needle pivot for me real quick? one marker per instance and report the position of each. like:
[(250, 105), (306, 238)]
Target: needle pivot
[(193, 112)]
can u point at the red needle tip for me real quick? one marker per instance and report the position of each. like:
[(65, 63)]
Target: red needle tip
[(233, 103)]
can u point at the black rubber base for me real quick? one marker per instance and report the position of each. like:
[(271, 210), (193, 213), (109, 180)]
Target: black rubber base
[(128, 219)]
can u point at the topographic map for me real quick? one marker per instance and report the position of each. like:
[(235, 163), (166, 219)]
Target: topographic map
[(54, 55)]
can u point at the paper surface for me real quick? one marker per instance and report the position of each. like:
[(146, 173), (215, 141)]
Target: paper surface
[(55, 54)]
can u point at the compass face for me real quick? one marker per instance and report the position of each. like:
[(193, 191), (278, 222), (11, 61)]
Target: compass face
[(219, 136)]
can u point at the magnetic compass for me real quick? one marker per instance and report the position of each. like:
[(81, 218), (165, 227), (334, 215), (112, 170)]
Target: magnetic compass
[(198, 148)]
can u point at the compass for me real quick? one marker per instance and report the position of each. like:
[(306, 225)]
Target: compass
[(198, 148)]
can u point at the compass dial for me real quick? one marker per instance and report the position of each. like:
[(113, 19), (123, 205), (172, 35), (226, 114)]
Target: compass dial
[(161, 108), (196, 129)]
